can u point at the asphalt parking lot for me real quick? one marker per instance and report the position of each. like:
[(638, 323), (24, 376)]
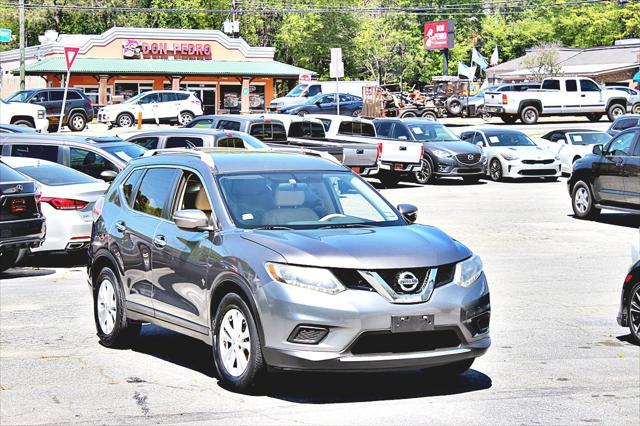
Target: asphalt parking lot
[(558, 355)]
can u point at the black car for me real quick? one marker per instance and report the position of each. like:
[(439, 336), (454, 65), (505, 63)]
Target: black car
[(78, 110), (629, 314), (22, 224), (445, 155), (609, 178)]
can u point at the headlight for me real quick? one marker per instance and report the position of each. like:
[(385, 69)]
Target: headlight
[(442, 153), (41, 114), (310, 278), (508, 157), (468, 271)]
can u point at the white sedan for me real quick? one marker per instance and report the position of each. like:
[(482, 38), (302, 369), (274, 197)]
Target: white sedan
[(67, 198), (572, 145), (512, 154)]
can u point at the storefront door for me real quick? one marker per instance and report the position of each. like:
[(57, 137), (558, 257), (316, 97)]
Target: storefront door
[(206, 93)]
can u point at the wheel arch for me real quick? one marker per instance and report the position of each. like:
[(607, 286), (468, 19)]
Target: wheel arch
[(530, 102), (617, 101), (28, 118), (626, 289), (101, 260)]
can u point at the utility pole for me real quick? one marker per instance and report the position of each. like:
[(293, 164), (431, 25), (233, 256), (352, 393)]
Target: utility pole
[(21, 36)]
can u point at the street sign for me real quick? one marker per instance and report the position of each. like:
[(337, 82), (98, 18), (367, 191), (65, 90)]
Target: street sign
[(70, 55), (336, 69), (336, 54), (5, 35)]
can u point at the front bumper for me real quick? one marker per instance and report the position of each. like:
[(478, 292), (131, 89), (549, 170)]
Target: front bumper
[(454, 168), (355, 314), (517, 169)]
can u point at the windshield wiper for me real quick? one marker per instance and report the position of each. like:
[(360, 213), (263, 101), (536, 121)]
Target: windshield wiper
[(273, 228), (346, 225)]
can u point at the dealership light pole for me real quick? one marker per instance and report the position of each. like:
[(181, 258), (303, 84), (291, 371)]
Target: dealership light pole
[(21, 36)]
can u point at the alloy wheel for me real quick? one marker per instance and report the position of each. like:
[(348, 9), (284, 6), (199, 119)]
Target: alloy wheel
[(530, 116), (582, 200), (77, 122), (634, 311), (495, 170), (125, 121), (185, 118), (106, 306), (234, 342), (424, 174)]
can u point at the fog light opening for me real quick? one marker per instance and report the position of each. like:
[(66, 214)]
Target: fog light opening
[(308, 335)]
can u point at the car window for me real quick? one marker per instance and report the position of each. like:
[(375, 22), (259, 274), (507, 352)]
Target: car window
[(230, 143), (89, 162), (383, 128), (357, 128), (589, 86), (228, 125), (40, 97), (130, 184), (345, 98), (268, 132), (182, 96), (149, 99), (401, 132), (306, 128), (326, 123), (192, 195), (625, 123), (621, 145), (467, 136), (148, 142), (588, 138), (203, 123), (125, 151), (55, 95), (152, 197), (168, 97), (10, 175), (54, 174), (551, 84), (509, 139), (314, 90), (43, 152), (184, 142), (73, 96), (572, 86)]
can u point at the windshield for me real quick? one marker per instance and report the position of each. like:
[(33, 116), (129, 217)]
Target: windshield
[(22, 96), (312, 100), (589, 138), (297, 91), (509, 139), (304, 200), (125, 152), (55, 174), (480, 94), (134, 98), (431, 132)]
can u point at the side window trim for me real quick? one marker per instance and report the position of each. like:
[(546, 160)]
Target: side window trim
[(172, 187), (175, 197), (134, 190)]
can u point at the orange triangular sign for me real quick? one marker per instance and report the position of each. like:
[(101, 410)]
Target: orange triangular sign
[(70, 54)]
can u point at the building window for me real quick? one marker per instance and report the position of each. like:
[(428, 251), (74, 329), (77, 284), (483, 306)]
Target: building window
[(93, 93), (124, 91), (256, 98), (230, 98)]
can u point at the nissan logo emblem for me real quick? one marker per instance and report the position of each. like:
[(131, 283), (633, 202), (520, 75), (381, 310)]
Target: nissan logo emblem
[(407, 281)]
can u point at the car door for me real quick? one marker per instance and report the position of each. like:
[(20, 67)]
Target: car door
[(573, 99), (168, 107), (180, 294), (591, 99), (149, 105), (608, 169), (632, 175), (327, 105)]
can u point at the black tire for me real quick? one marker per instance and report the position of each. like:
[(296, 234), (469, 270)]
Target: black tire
[(23, 123), (529, 115), (124, 120), (582, 201), (471, 179), (124, 332), (454, 107), (256, 366), (356, 112), (614, 111), (634, 321), (409, 114), (508, 119), (185, 117), (8, 259), (593, 117), (389, 179), (77, 122), (425, 176), (430, 115), (495, 170), (453, 369), (635, 109), (302, 113)]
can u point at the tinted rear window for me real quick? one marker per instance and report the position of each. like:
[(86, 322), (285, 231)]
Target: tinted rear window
[(10, 175), (184, 142), (268, 132), (43, 152), (551, 85), (307, 129), (55, 174), (228, 125), (126, 151)]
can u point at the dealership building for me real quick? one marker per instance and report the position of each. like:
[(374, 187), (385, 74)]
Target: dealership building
[(227, 74)]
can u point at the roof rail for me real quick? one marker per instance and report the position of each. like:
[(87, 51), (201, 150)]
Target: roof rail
[(204, 157)]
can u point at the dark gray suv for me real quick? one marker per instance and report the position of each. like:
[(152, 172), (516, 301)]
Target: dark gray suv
[(281, 260)]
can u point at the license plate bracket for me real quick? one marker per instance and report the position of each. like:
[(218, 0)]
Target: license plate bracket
[(398, 167), (412, 323)]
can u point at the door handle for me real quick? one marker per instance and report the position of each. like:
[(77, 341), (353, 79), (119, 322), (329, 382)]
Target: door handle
[(403, 148), (120, 226), (159, 241), (583, 96), (359, 151)]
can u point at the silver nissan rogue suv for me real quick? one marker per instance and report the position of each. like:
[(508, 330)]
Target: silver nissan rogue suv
[(281, 260)]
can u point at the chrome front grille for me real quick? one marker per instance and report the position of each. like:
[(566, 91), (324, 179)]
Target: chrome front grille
[(468, 158)]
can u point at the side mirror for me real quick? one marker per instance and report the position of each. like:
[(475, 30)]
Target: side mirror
[(192, 219), (409, 212), (108, 175), (597, 149), (318, 102)]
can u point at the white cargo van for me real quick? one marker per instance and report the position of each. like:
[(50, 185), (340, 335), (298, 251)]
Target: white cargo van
[(307, 89)]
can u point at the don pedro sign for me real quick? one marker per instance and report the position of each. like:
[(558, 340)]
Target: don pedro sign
[(134, 49), (439, 34)]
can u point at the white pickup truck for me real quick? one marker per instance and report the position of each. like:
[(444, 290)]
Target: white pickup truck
[(557, 96), (23, 114), (397, 158)]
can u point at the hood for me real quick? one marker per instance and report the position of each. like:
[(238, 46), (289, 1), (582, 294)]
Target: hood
[(454, 147), (363, 248), (525, 152)]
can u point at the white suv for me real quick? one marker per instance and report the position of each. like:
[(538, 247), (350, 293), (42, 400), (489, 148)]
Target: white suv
[(156, 106), (23, 114)]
